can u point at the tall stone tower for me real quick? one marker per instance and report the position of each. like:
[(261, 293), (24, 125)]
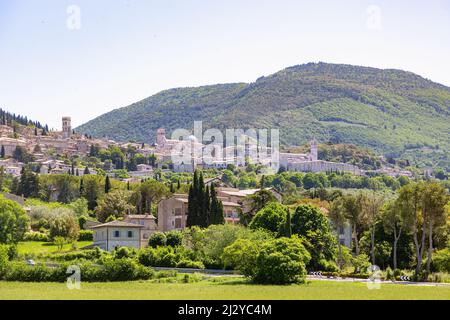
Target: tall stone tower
[(66, 127), (161, 137), (313, 154)]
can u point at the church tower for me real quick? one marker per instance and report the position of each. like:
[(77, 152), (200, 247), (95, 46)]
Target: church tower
[(66, 127), (313, 154), (161, 137)]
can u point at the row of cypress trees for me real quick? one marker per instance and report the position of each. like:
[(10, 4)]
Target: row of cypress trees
[(204, 208)]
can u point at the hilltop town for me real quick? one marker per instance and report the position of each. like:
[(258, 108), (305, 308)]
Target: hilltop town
[(66, 151)]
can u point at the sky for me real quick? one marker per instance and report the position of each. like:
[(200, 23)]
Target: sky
[(82, 58)]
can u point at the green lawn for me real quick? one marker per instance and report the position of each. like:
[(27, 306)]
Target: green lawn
[(37, 247), (228, 289)]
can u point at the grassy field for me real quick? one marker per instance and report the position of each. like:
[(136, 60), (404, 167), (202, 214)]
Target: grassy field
[(37, 247), (225, 289)]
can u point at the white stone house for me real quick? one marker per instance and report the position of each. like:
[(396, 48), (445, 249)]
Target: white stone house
[(111, 235), (148, 223)]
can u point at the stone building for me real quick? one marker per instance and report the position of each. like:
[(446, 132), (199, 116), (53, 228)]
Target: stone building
[(66, 127), (111, 235), (148, 223)]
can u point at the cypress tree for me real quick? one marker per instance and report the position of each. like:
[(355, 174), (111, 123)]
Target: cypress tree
[(191, 218), (3, 153), (81, 187), (171, 188), (86, 170), (178, 185), (206, 208), (73, 169), (286, 228), (107, 184), (216, 208)]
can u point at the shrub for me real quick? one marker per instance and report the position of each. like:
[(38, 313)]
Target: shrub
[(361, 262), (3, 259), (157, 239), (190, 264), (282, 261), (174, 238), (19, 271), (81, 221), (86, 235), (169, 257), (125, 270), (241, 255), (36, 236), (123, 252), (91, 254), (441, 260), (111, 270)]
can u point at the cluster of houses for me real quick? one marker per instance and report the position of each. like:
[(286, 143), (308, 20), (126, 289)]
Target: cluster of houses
[(134, 230), (45, 147)]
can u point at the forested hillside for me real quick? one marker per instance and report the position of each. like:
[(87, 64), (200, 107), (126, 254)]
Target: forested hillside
[(389, 111)]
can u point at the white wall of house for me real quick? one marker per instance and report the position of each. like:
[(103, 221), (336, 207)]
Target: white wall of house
[(109, 238)]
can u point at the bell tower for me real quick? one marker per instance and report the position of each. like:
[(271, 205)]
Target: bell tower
[(66, 127), (313, 153), (161, 137)]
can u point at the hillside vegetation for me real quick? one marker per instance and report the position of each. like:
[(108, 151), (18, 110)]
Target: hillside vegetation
[(388, 111)]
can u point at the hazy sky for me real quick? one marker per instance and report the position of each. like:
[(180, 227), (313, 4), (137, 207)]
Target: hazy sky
[(84, 58)]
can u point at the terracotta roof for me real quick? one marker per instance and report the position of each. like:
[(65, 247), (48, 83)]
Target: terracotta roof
[(117, 223), (140, 216), (230, 204)]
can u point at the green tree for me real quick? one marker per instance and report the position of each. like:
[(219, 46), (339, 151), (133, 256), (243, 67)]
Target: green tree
[(313, 226), (286, 228), (64, 224), (434, 200), (13, 221), (371, 214), (92, 190), (157, 239), (271, 217), (216, 209), (394, 224), (115, 204), (354, 213), (148, 193), (338, 217), (281, 261), (174, 238), (410, 201), (107, 184), (28, 183)]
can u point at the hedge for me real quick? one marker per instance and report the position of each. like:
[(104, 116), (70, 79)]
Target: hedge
[(86, 235)]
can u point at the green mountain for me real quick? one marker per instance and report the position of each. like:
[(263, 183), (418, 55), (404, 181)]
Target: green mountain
[(389, 111)]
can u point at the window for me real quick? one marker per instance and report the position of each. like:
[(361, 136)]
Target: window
[(130, 234), (177, 223), (178, 211), (341, 230), (116, 234)]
